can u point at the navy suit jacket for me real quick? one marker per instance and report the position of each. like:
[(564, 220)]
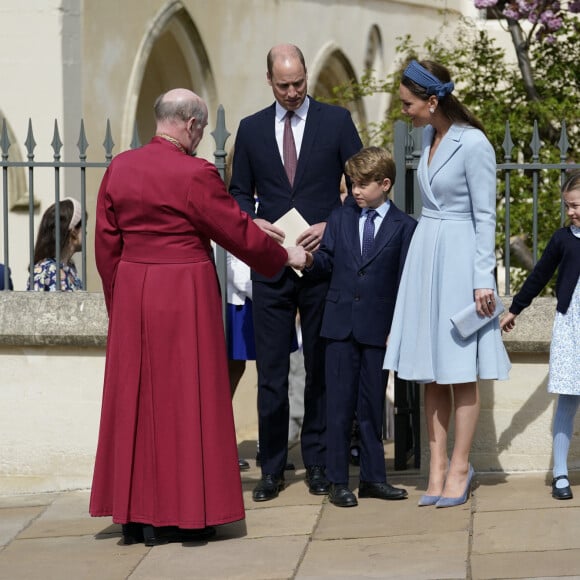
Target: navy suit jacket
[(362, 294), (330, 138)]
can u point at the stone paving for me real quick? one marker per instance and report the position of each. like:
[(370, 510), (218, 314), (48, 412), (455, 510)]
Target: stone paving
[(510, 528)]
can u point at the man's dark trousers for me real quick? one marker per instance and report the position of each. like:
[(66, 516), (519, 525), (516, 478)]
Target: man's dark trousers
[(274, 305)]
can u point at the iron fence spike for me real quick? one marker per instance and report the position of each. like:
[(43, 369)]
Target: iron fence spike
[(220, 135), (536, 142), (30, 142), (508, 144), (82, 143), (563, 143), (4, 140), (56, 141), (108, 143)]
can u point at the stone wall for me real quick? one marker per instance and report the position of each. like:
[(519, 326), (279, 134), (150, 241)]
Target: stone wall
[(52, 350)]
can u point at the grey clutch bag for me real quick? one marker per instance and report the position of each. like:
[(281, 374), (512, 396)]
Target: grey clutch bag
[(468, 321)]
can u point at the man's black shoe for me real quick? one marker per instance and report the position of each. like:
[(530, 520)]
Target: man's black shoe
[(316, 480), (243, 464), (268, 488), (380, 491), (341, 496)]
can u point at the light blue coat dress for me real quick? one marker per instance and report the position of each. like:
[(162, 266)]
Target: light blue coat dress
[(451, 254)]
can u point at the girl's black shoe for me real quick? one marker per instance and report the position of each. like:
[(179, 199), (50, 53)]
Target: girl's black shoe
[(561, 492)]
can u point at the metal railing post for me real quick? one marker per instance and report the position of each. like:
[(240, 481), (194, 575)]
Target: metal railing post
[(220, 135)]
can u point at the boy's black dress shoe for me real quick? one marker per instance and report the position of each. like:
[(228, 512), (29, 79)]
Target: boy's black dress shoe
[(316, 480), (243, 464), (561, 492), (268, 487), (341, 496), (380, 491)]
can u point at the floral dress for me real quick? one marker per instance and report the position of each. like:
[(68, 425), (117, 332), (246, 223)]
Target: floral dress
[(45, 277), (564, 374)]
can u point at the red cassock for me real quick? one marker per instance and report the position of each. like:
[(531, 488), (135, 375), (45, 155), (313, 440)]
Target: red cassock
[(167, 449)]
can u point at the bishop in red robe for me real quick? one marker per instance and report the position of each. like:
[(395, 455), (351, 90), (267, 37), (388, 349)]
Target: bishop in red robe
[(167, 451)]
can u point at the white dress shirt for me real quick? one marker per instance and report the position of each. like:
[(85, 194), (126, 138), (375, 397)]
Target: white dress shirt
[(298, 121)]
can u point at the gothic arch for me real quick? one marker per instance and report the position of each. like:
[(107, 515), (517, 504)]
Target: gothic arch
[(378, 103), (171, 55), (332, 68), (374, 52)]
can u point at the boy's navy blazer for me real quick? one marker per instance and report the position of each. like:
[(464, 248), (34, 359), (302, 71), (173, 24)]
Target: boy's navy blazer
[(362, 294), (330, 138)]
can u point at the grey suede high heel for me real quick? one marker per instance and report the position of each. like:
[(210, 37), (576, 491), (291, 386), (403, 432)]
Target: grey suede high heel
[(445, 502), (426, 500)]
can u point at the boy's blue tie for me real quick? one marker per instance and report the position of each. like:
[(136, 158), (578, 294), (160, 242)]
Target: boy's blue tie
[(368, 233)]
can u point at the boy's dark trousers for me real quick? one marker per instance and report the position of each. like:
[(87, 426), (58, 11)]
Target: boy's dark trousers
[(355, 381)]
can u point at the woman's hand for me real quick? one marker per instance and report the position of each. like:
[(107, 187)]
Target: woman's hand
[(485, 301)]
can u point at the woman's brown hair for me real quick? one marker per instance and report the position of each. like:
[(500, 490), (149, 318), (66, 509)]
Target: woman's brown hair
[(450, 105)]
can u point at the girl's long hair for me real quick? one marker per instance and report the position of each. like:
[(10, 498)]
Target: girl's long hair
[(45, 247)]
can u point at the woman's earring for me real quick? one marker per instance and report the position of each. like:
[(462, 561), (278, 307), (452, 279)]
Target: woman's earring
[(431, 110)]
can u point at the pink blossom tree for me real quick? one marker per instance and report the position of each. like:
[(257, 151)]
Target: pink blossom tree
[(545, 18)]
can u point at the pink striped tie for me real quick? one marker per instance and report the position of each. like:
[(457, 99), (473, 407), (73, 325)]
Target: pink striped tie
[(289, 148)]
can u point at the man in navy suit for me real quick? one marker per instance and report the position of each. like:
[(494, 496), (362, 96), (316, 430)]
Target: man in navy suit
[(4, 269), (363, 251), (290, 155)]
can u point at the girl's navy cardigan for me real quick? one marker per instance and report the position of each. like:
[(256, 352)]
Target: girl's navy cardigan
[(562, 252)]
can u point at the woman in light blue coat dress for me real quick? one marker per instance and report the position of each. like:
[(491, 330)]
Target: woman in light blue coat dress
[(450, 264)]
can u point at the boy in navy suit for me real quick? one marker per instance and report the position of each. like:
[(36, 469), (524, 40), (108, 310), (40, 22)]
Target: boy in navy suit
[(362, 251)]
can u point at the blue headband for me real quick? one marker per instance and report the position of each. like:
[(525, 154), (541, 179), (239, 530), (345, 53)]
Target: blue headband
[(420, 75)]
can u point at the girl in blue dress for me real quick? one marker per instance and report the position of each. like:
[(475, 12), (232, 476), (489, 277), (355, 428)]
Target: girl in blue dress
[(562, 253)]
